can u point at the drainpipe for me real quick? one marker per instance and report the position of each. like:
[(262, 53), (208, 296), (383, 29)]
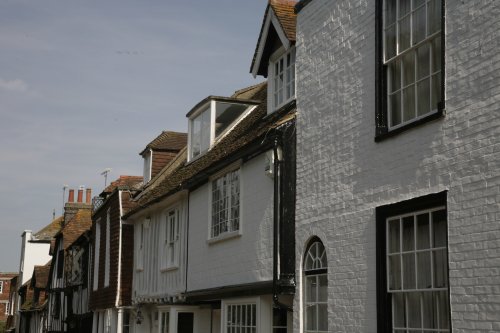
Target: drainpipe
[(278, 157)]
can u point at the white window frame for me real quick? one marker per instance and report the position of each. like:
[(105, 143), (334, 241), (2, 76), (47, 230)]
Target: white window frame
[(97, 249), (411, 87), (107, 249), (148, 165), (282, 61), (214, 236), (171, 236), (319, 269), (237, 304), (438, 293), (1, 287), (7, 308), (164, 318)]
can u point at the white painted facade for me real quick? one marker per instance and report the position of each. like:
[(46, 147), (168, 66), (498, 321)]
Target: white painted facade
[(245, 256), (32, 253), (343, 175)]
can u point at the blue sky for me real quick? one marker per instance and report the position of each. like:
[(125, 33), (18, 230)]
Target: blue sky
[(85, 85)]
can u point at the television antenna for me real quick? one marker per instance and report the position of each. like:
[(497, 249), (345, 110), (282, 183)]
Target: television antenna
[(105, 174)]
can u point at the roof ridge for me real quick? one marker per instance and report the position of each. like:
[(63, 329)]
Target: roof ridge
[(244, 90)]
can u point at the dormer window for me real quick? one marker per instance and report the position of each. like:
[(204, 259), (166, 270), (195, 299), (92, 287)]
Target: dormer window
[(282, 78), (147, 165), (211, 119)]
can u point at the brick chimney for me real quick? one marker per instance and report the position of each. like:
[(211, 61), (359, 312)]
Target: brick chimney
[(71, 207), (88, 196), (80, 194)]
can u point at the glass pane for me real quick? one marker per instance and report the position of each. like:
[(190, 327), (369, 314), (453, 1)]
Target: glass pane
[(311, 288), (440, 269), (419, 25), (395, 104), (398, 310), (418, 3), (408, 68), (205, 130), (439, 228), (404, 7), (423, 233), (436, 91), (414, 310), (436, 54), (390, 12), (394, 69), (323, 288), (423, 98), (409, 271), (322, 317), (423, 61), (429, 311), (404, 34), (409, 103), (279, 317), (434, 16), (443, 309), (395, 272), (424, 270), (311, 317), (408, 234), (390, 42), (394, 236)]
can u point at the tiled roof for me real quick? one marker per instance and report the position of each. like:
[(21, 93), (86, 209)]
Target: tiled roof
[(78, 224), (285, 13), (250, 129), (124, 181), (167, 140), (41, 274), (49, 231)]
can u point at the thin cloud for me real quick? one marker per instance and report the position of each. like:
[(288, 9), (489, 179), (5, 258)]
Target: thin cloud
[(16, 85)]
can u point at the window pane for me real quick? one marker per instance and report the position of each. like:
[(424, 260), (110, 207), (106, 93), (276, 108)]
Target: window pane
[(424, 270), (311, 317), (419, 25), (408, 234), (404, 7), (409, 271), (395, 272), (390, 42), (311, 287), (279, 317), (394, 69), (226, 114), (395, 104), (423, 98), (409, 103), (404, 34), (323, 317), (440, 269), (429, 310), (398, 310), (439, 228), (443, 310), (423, 234), (390, 12), (436, 91), (408, 68), (414, 310), (434, 16), (418, 3), (205, 130), (423, 61), (436, 54), (323, 288), (394, 236)]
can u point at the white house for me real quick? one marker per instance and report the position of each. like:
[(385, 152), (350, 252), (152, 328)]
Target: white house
[(398, 166)]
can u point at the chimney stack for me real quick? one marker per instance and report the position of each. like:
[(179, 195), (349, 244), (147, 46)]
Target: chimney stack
[(88, 195), (80, 195), (71, 196)]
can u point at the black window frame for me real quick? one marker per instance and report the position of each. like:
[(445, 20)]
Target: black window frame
[(381, 118), (384, 316)]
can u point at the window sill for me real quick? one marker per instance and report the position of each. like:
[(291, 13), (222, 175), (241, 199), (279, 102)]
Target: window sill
[(390, 133), (223, 237), (169, 269)]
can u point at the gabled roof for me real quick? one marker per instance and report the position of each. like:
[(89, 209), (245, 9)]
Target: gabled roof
[(167, 140), (250, 130), (50, 230), (124, 181), (41, 275), (81, 222), (279, 25)]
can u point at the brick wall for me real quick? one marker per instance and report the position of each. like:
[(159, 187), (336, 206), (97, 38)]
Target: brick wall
[(161, 159), (343, 175)]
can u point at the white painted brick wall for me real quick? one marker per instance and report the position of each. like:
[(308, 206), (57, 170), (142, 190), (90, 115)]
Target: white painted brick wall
[(240, 260), (343, 175)]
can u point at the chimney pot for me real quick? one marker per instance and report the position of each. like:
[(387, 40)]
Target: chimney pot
[(71, 196), (80, 195), (88, 195)]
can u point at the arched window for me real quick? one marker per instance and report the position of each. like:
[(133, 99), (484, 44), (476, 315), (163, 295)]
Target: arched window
[(315, 289)]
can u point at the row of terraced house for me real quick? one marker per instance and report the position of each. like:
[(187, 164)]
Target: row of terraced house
[(357, 189)]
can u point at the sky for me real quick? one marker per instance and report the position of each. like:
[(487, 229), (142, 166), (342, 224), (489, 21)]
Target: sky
[(85, 85)]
